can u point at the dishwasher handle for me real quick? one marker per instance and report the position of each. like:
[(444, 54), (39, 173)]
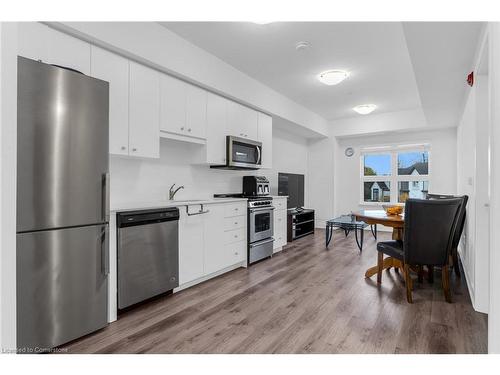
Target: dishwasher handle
[(143, 217)]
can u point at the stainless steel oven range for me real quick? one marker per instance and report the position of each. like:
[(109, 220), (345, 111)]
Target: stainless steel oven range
[(260, 228)]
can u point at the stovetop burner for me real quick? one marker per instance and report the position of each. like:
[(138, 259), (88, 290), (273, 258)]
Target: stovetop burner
[(239, 195), (261, 199)]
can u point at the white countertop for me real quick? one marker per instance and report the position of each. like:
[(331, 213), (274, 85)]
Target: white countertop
[(161, 204)]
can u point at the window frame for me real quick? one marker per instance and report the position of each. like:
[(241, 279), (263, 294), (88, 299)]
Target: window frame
[(393, 178)]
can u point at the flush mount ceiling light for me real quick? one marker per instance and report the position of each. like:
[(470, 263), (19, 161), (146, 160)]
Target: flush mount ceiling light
[(332, 77), (365, 109), (301, 46), (262, 22)]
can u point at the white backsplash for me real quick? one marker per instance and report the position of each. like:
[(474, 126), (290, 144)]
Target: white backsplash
[(146, 180)]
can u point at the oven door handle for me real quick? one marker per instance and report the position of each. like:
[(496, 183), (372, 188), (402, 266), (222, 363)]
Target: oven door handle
[(260, 209)]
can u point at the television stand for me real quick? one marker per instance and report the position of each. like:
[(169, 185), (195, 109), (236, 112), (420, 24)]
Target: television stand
[(300, 223)]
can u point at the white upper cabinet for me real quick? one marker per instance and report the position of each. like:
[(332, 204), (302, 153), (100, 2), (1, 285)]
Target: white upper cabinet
[(32, 40), (115, 70), (196, 112), (242, 121), (68, 51), (216, 128), (173, 104), (265, 135), (183, 108), (144, 111)]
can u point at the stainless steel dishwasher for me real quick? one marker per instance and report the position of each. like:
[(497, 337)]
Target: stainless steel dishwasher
[(148, 254)]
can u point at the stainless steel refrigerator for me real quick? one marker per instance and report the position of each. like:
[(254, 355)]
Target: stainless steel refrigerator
[(62, 205)]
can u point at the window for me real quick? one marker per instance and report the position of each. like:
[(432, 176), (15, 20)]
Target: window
[(394, 174)]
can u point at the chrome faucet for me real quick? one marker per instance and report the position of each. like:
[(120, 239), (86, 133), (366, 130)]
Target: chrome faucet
[(171, 192)]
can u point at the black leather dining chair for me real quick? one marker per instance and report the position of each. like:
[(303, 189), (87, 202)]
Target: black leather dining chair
[(428, 236), (459, 230)]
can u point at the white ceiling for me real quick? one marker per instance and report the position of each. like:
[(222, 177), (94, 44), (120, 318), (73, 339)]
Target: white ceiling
[(397, 66)]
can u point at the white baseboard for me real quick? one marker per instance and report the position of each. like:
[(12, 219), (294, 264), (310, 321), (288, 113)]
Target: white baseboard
[(210, 276)]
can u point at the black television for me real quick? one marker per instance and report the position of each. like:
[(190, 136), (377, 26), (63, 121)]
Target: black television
[(292, 184)]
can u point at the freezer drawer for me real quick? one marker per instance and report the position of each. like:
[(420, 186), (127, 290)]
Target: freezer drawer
[(62, 285), (148, 261), (260, 250)]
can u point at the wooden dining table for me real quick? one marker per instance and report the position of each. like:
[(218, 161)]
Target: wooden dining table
[(396, 222)]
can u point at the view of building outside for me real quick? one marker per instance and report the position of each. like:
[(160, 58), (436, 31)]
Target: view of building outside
[(414, 164)]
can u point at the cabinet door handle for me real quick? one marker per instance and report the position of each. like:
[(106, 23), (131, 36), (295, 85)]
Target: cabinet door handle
[(189, 130), (182, 127), (134, 149), (124, 148)]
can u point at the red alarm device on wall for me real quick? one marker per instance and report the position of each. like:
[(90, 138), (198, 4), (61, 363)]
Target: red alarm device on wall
[(470, 79)]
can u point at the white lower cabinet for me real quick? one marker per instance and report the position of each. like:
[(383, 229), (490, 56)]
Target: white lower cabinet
[(211, 242), (280, 223), (191, 244)]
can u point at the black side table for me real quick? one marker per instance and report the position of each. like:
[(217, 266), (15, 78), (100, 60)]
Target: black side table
[(348, 223)]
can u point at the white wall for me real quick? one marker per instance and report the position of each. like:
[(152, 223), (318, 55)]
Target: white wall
[(494, 79), (146, 180), (321, 168), (8, 143), (347, 169), (474, 180)]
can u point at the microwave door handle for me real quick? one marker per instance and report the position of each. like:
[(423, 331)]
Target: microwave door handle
[(258, 155)]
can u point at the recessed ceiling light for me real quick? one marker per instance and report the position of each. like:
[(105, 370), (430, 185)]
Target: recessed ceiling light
[(332, 77), (365, 109), (262, 22)]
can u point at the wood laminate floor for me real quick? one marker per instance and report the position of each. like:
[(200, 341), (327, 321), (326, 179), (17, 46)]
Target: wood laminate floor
[(305, 299)]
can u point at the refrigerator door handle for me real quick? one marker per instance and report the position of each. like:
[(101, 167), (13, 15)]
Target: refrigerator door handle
[(104, 251), (105, 196)]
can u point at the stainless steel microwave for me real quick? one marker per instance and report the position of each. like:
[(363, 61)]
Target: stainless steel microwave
[(241, 153)]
